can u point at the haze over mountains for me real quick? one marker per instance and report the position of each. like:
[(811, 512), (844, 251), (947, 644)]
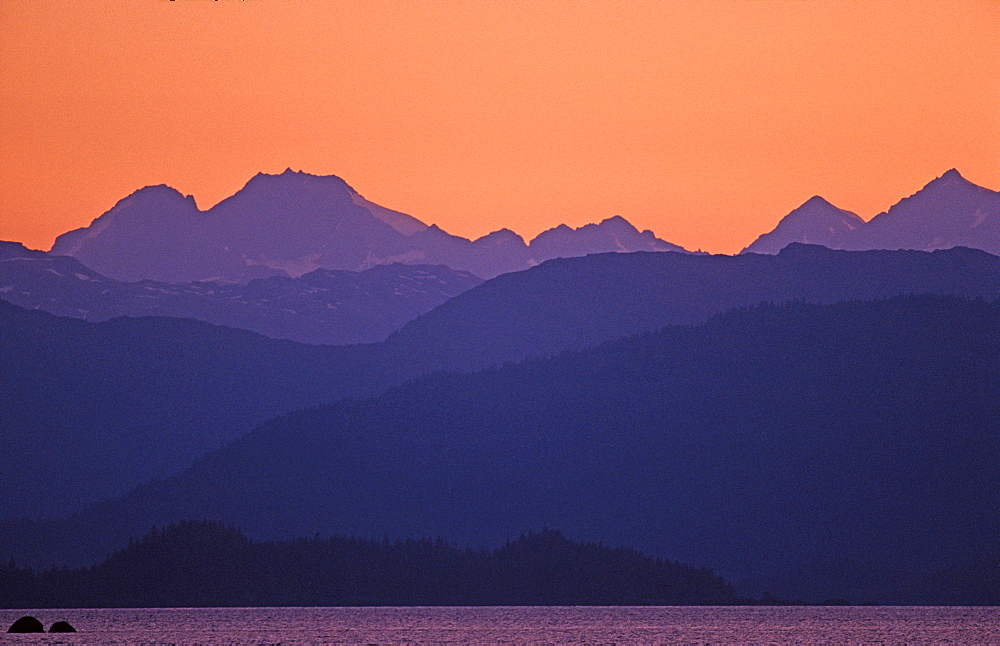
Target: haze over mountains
[(283, 228), (294, 223), (323, 306), (575, 303), (91, 409)]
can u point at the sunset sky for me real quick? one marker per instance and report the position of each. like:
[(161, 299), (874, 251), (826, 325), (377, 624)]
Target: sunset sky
[(703, 121)]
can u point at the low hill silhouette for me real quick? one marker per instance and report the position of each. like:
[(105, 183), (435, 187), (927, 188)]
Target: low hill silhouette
[(89, 410), (192, 564)]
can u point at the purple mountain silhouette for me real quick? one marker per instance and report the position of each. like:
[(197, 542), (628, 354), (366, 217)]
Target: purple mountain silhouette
[(294, 223), (613, 234), (948, 212), (815, 222), (291, 224)]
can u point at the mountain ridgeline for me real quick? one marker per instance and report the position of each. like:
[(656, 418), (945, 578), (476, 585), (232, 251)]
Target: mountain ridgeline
[(294, 223), (193, 564), (762, 441), (575, 303)]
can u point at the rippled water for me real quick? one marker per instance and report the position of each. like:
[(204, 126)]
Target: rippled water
[(519, 625)]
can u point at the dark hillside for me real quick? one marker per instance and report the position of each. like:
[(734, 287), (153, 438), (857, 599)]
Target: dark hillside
[(204, 564), (574, 303), (89, 410)]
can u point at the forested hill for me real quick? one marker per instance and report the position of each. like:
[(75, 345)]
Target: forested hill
[(194, 564), (576, 303)]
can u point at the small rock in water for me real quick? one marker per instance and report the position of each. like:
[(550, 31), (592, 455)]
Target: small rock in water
[(27, 624), (62, 627)]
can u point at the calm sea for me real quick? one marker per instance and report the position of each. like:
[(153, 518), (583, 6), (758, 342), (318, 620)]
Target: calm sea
[(518, 625)]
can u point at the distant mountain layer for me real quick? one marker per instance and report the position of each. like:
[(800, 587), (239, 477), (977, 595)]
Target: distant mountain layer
[(949, 212), (323, 306), (294, 223), (97, 408), (764, 439)]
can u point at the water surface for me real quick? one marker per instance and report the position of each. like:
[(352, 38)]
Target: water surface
[(517, 625)]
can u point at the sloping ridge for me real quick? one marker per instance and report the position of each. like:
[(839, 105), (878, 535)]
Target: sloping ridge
[(574, 303)]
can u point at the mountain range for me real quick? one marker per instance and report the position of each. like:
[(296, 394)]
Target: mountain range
[(294, 223), (575, 303), (948, 212), (659, 402), (286, 228)]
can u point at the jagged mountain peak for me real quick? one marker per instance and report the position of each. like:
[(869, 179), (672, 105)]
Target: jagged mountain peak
[(950, 182), (614, 222), (156, 192), (951, 176), (435, 230), (815, 221), (144, 208), (611, 234), (298, 184), (501, 237), (949, 211), (951, 186), (617, 221), (297, 175), (817, 202), (818, 206)]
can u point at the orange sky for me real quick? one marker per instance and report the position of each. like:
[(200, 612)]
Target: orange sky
[(704, 121)]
